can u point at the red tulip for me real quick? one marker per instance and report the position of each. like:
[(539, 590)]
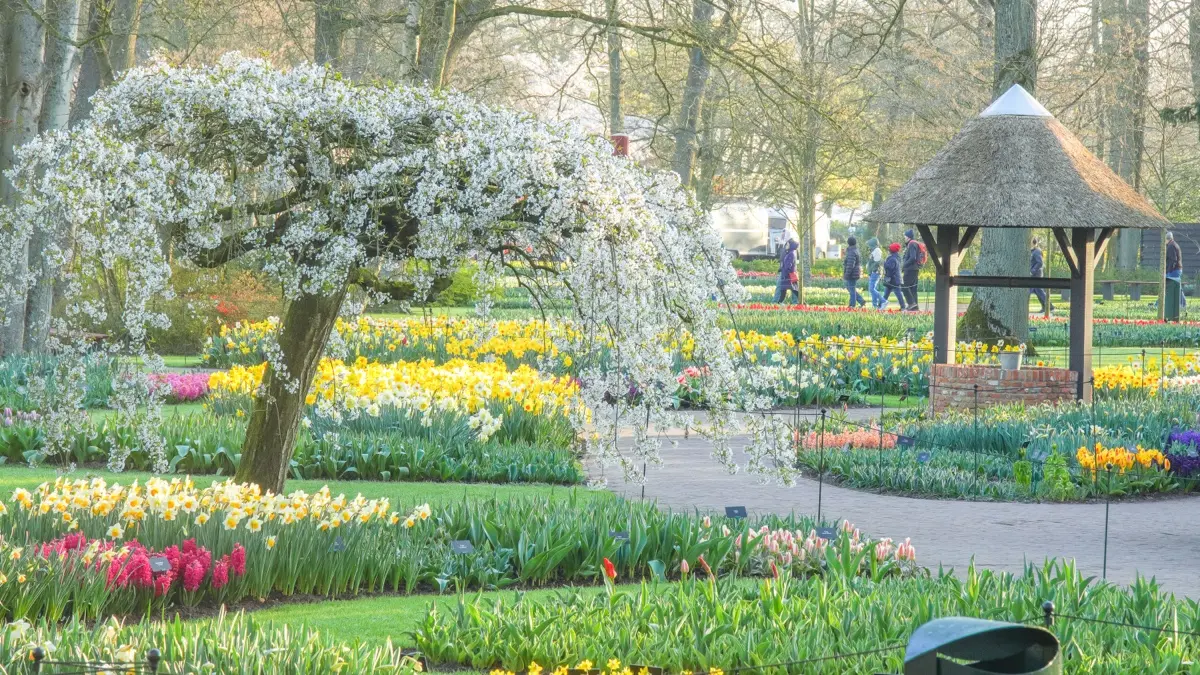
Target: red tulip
[(610, 571)]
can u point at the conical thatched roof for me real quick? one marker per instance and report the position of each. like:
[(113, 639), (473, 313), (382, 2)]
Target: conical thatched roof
[(1017, 166)]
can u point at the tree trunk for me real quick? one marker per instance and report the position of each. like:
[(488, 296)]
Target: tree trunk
[(693, 96), (436, 30), (1003, 313), (616, 117), (271, 434), (22, 109), (127, 23), (329, 33), (1125, 44), (1194, 51), (62, 67), (707, 154), (407, 48)]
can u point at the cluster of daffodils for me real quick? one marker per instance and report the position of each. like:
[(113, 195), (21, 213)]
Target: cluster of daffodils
[(421, 388), (1173, 371), (1100, 458), (124, 510), (381, 339)]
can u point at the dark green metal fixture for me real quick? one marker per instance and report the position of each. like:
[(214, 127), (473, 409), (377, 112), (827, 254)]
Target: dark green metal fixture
[(964, 646)]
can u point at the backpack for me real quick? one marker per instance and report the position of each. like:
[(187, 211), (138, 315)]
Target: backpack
[(922, 254)]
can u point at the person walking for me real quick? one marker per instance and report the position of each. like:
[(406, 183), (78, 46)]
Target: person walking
[(1036, 265), (891, 276), (1175, 266), (788, 279), (852, 272), (874, 267), (911, 268)]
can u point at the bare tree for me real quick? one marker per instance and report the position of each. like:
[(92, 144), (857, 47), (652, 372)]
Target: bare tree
[(1000, 312)]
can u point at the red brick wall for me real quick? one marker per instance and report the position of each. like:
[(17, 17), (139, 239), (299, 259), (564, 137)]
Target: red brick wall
[(954, 386)]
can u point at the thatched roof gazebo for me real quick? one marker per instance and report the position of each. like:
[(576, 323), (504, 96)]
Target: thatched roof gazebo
[(1017, 166)]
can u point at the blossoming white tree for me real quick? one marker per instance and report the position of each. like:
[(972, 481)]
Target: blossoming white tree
[(333, 185)]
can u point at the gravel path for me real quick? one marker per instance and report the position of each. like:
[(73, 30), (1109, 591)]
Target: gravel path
[(1159, 538)]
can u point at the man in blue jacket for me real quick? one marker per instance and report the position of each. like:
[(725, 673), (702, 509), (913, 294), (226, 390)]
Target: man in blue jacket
[(787, 273), (911, 269), (1036, 264)]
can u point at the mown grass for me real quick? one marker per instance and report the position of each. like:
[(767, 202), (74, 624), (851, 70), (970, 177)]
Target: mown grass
[(376, 619)]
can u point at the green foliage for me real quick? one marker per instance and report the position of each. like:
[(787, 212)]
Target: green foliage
[(203, 299), (16, 371), (232, 644), (1057, 484), (211, 444), (697, 625), (1023, 473)]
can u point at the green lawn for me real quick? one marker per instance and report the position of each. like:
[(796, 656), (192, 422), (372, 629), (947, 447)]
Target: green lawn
[(373, 620), (12, 477)]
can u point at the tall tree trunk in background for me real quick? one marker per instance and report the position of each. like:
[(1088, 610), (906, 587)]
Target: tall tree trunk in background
[(407, 47), (616, 116), (436, 31), (708, 155), (1003, 313), (126, 26), (61, 69), (877, 229), (329, 34), (693, 96), (1096, 29), (22, 110), (1125, 42), (1194, 51), (806, 46)]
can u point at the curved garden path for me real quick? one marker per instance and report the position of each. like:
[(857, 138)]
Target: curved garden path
[(1159, 538)]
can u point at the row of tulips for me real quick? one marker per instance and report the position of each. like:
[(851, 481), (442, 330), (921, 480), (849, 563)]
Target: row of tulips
[(88, 548)]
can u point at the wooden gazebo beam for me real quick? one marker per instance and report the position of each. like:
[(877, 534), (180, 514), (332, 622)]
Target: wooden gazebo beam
[(1080, 246)]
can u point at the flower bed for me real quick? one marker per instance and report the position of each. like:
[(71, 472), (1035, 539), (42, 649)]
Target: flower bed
[(181, 387), (229, 643), (1016, 452), (704, 627), (88, 549), (1052, 332), (208, 444)]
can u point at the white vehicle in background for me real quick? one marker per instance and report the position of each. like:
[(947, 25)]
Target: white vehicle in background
[(751, 230)]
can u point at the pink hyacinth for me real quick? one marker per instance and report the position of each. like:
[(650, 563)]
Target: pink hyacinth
[(181, 387), (193, 576), (220, 573), (238, 558)]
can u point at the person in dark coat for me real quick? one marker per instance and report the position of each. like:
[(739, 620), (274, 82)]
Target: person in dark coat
[(1036, 266), (852, 272), (1175, 266), (891, 276), (787, 273), (911, 269)]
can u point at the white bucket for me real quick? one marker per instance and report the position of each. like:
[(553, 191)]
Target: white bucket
[(1010, 360)]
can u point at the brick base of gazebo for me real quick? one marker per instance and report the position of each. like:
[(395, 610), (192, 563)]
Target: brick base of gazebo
[(954, 386)]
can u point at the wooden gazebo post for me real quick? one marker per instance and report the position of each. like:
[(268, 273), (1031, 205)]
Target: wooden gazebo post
[(1081, 247)]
